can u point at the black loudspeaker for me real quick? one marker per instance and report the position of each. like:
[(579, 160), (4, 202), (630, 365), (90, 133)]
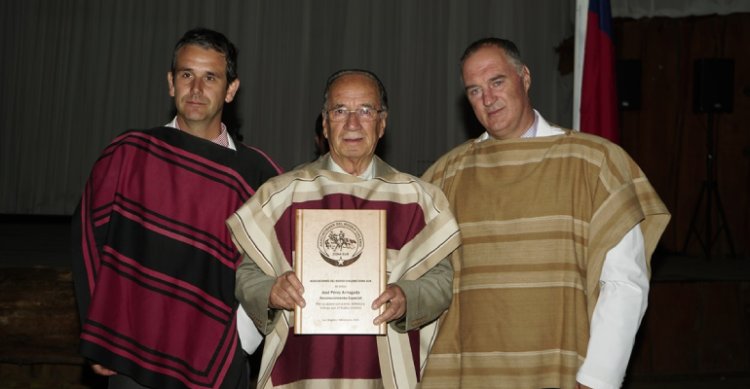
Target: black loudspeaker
[(629, 84), (713, 87)]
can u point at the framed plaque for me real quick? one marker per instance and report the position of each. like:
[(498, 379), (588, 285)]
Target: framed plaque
[(340, 260)]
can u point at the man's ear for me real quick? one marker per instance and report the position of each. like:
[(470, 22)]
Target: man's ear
[(324, 124), (526, 76), (383, 121), (170, 83), (232, 90)]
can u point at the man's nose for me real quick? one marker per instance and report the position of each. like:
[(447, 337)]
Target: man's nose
[(488, 99), (352, 119), (196, 86)]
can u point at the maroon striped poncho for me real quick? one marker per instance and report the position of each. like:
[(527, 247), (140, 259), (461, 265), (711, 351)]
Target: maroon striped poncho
[(153, 263)]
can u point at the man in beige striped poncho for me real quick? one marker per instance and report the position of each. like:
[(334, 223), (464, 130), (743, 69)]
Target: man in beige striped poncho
[(558, 229)]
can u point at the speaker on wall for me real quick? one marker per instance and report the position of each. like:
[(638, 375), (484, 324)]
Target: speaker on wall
[(714, 85), (629, 84)]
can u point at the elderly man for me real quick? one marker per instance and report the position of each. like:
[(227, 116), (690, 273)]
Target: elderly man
[(421, 233), (153, 263), (558, 230)]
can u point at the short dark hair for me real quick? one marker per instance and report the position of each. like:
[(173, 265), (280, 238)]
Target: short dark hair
[(340, 73), (510, 49), (209, 39)]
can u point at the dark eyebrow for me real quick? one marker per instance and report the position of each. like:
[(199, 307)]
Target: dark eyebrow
[(467, 87), (191, 70), (368, 105), (214, 75), (498, 78)]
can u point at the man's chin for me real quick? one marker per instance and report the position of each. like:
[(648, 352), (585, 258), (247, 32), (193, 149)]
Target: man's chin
[(498, 133), (354, 154), (193, 116)]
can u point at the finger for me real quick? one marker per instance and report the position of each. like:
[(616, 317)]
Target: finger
[(294, 288), (383, 317), (295, 282), (394, 310), (280, 300), (380, 319), (384, 297), (284, 295), (295, 296), (101, 370)]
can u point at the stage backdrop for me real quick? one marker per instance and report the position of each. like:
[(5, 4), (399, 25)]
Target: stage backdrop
[(75, 73)]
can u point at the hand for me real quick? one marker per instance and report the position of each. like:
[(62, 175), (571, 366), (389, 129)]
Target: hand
[(286, 292), (581, 386), (395, 307), (101, 370)]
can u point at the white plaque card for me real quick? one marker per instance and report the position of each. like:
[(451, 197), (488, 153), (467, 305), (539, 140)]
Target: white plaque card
[(340, 260)]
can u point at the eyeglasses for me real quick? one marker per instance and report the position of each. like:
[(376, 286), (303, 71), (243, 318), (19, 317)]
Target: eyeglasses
[(363, 113)]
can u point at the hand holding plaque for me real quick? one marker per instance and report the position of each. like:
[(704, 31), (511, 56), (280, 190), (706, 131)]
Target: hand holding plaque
[(340, 260), (394, 301)]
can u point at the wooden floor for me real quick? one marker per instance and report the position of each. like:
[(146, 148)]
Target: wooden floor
[(38, 322)]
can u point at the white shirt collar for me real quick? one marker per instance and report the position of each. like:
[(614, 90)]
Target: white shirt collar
[(367, 174), (230, 141), (531, 132)]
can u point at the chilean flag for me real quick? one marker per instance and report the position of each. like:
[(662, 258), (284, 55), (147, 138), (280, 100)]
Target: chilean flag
[(598, 98)]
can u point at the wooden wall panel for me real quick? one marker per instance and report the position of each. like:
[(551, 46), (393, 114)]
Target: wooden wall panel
[(669, 140)]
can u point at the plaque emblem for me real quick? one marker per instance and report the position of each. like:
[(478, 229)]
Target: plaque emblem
[(340, 243)]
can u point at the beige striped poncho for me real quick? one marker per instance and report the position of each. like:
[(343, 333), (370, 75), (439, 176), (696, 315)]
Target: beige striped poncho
[(537, 217), (421, 233)]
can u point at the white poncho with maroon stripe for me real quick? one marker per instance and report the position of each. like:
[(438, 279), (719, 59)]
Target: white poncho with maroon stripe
[(421, 231)]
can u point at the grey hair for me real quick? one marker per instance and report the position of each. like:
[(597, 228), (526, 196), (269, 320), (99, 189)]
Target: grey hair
[(340, 73), (509, 48)]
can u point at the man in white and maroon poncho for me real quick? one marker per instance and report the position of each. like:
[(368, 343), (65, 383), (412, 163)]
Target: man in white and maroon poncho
[(421, 233)]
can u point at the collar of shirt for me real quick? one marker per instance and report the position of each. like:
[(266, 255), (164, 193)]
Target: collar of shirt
[(367, 174), (223, 139), (530, 132)]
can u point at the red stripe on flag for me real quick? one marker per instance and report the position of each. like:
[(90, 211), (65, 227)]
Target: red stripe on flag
[(598, 87)]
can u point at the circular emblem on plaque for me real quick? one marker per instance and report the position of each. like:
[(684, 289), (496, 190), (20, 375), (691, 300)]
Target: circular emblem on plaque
[(340, 243)]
